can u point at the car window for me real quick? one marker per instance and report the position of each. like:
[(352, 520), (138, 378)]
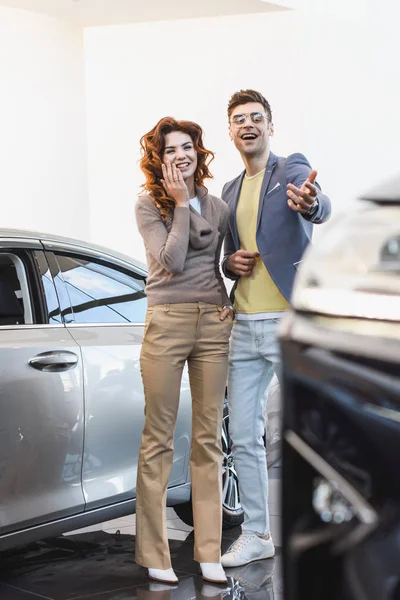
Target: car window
[(15, 305), (102, 293)]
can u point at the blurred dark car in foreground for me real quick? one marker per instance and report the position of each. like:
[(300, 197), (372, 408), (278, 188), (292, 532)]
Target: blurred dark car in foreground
[(341, 395)]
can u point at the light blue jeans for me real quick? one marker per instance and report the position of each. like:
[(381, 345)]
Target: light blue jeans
[(253, 359)]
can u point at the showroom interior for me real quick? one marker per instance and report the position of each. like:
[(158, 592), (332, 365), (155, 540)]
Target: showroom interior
[(80, 82)]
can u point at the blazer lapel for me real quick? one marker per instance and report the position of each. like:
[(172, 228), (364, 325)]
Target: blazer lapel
[(264, 187), (233, 202)]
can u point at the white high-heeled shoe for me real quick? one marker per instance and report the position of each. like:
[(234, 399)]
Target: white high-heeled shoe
[(163, 576), (213, 572)]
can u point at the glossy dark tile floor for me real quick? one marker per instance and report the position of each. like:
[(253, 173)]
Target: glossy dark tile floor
[(97, 563)]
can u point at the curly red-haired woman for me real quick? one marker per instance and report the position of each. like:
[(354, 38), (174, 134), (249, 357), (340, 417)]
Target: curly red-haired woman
[(189, 320)]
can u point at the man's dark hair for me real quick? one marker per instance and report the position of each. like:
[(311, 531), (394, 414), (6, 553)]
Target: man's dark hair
[(245, 96)]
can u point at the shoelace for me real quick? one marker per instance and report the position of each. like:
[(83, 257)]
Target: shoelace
[(241, 542)]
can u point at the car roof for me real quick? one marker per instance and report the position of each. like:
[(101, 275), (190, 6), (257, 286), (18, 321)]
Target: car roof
[(68, 242), (386, 193)]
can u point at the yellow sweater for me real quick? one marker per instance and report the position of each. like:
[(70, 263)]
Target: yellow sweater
[(256, 293)]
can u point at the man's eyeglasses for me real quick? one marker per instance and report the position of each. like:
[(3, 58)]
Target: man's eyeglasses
[(256, 117)]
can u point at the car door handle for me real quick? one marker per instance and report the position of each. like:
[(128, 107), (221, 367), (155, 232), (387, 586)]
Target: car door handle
[(54, 361)]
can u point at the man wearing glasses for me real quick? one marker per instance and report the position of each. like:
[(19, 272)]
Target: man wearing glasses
[(273, 206)]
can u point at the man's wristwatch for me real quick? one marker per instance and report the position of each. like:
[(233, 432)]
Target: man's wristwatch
[(229, 306), (313, 209)]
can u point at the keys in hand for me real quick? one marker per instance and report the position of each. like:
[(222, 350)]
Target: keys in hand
[(242, 262)]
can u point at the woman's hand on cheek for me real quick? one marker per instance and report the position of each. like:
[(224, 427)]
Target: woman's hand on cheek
[(175, 185)]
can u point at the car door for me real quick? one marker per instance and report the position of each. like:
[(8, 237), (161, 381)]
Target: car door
[(107, 320), (41, 395)]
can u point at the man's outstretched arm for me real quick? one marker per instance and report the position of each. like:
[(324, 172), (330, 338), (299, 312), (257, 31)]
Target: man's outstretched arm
[(304, 193)]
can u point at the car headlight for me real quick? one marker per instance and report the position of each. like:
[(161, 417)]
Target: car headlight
[(354, 270)]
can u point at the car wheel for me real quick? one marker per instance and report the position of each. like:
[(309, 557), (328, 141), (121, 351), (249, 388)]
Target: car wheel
[(232, 511)]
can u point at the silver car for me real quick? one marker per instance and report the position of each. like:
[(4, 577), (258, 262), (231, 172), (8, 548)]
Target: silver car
[(71, 396)]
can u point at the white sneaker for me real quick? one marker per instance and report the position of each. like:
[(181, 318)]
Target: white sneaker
[(248, 547), (213, 572), (163, 576)]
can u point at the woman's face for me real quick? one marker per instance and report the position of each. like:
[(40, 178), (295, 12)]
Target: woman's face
[(179, 150)]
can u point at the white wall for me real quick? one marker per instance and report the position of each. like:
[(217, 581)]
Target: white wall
[(329, 71), (43, 152), (137, 74), (326, 69), (349, 114)]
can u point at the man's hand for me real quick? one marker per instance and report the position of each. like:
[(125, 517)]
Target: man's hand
[(242, 262), (302, 199)]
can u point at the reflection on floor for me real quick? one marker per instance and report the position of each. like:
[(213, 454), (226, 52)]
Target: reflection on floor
[(97, 563)]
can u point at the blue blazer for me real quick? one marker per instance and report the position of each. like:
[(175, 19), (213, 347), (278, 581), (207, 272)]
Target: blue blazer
[(282, 234)]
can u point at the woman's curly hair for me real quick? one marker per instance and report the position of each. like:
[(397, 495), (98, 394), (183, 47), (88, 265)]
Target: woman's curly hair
[(152, 147)]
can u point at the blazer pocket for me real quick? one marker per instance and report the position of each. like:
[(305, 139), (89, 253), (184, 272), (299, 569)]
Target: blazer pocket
[(274, 192)]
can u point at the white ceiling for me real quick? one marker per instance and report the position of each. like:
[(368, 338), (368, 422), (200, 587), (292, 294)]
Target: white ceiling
[(113, 12)]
